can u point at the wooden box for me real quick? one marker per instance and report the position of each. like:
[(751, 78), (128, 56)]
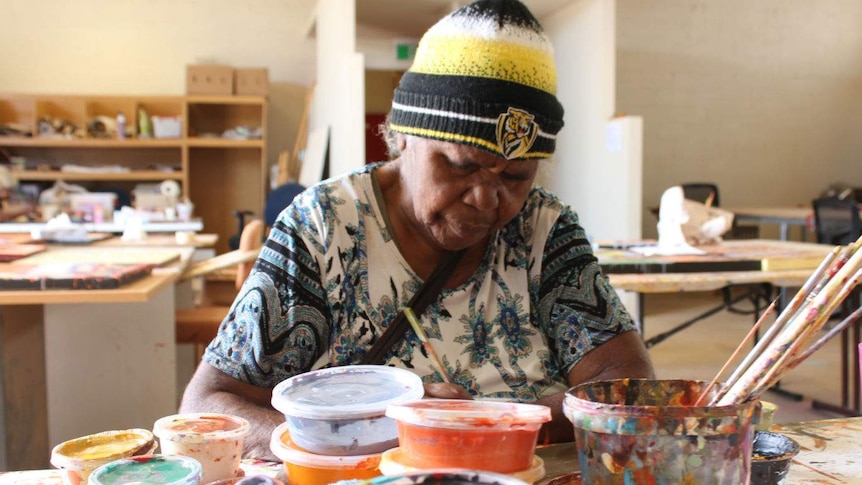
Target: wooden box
[(209, 79), (251, 82)]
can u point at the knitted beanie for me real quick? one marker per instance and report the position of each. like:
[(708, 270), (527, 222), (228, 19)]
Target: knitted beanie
[(483, 76)]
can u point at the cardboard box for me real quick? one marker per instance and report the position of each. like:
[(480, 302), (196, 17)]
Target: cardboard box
[(209, 79), (251, 82)]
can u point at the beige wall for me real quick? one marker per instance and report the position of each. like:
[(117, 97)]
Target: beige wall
[(764, 97), (142, 47)]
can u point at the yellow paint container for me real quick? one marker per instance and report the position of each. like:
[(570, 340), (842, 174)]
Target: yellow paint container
[(78, 457)]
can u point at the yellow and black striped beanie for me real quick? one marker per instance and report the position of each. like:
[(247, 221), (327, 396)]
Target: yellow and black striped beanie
[(483, 76)]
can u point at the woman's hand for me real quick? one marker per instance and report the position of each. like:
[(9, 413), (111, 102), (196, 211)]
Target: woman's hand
[(443, 390)]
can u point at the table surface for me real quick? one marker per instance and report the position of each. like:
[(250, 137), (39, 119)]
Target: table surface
[(150, 226), (781, 263), (788, 214)]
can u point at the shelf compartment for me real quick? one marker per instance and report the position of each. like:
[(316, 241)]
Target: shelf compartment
[(18, 110), (212, 118)]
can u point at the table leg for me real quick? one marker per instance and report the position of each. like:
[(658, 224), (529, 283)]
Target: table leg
[(24, 441)]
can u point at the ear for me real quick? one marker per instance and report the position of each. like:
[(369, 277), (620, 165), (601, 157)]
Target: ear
[(401, 141)]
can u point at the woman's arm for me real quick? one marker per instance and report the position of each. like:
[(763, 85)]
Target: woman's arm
[(622, 356), (213, 391)]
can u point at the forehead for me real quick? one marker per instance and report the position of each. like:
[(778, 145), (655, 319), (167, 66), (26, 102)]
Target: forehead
[(467, 154)]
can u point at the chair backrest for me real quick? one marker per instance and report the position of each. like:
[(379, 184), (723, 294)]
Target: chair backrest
[(836, 221), (251, 238), (701, 192), (278, 199)]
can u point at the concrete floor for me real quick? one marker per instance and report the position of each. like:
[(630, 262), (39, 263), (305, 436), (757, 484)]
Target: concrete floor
[(699, 351)]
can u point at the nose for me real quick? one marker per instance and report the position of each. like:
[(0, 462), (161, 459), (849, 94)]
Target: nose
[(484, 193)]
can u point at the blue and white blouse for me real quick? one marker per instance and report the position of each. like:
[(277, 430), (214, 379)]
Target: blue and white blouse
[(330, 279)]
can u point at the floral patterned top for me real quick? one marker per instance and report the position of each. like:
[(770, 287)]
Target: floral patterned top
[(330, 279)]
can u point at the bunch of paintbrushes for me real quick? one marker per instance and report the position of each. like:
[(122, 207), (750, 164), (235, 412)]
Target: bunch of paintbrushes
[(795, 334)]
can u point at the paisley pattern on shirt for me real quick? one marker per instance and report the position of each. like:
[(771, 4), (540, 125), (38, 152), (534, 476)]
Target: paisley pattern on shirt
[(330, 279)]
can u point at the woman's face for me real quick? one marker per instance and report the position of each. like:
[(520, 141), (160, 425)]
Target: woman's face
[(455, 195)]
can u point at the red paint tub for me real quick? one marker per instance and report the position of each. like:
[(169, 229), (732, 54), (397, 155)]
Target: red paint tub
[(648, 431), (480, 435)]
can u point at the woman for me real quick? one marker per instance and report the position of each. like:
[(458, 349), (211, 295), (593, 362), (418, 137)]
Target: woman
[(525, 314)]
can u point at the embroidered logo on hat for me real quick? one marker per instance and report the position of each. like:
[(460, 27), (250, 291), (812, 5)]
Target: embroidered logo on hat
[(516, 132)]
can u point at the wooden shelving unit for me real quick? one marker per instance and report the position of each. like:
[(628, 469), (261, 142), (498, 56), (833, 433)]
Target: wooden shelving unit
[(220, 175)]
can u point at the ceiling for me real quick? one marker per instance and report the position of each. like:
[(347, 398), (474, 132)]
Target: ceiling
[(411, 18)]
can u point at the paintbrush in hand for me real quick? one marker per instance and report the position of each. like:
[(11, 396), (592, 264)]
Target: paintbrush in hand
[(417, 328)]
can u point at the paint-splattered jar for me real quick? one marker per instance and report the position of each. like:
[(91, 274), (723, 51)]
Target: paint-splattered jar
[(78, 457), (479, 435), (215, 440), (650, 431), (305, 468), (341, 410), (149, 469)]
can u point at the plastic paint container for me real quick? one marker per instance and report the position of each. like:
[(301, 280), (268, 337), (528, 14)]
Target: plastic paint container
[(771, 457), (341, 410), (305, 468), (767, 414), (77, 458), (214, 440), (446, 477), (479, 435), (648, 431), (393, 463), (149, 469)]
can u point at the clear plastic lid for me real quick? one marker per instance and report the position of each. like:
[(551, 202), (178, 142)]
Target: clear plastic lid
[(453, 413), (349, 392)]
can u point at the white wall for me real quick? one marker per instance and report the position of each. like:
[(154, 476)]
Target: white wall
[(340, 91), (584, 37), (762, 97)]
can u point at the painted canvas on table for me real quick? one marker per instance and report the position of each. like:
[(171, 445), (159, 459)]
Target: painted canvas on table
[(70, 276)]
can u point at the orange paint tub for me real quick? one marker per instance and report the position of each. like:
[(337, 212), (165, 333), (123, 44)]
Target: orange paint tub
[(304, 468), (480, 435)]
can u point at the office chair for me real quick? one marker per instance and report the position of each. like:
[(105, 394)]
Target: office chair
[(278, 199), (836, 221), (701, 192), (708, 192)]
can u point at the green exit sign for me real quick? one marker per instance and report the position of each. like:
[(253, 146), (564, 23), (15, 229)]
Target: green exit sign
[(405, 49)]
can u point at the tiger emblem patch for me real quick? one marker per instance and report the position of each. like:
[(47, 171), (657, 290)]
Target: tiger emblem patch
[(516, 132)]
